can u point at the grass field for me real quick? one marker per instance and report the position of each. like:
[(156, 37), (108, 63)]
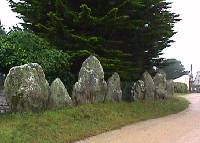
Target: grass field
[(70, 124)]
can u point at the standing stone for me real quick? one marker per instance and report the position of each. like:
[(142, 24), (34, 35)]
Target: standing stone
[(127, 91), (149, 86), (114, 88), (91, 86), (1, 81), (160, 83), (138, 90), (160, 93), (59, 96), (170, 88), (26, 88), (4, 107)]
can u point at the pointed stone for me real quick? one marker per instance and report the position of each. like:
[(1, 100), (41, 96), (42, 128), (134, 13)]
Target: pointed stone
[(59, 96), (91, 86), (114, 88), (149, 86)]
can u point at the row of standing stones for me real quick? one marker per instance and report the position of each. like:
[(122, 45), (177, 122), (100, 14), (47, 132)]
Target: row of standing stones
[(26, 88)]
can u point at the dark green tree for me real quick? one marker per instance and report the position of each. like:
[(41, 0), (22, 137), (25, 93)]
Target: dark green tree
[(173, 68), (155, 37), (126, 35)]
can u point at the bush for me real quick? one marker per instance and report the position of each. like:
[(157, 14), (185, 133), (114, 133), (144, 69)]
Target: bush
[(18, 48), (180, 87)]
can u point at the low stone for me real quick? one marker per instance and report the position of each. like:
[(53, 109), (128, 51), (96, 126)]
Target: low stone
[(91, 86), (138, 90), (59, 96), (26, 88), (149, 86), (114, 92)]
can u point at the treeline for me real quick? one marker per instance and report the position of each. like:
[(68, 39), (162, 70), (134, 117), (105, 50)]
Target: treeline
[(126, 35)]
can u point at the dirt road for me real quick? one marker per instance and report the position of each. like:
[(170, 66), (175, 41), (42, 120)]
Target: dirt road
[(183, 127)]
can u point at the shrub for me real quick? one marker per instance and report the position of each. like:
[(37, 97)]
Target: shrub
[(18, 48), (180, 87)]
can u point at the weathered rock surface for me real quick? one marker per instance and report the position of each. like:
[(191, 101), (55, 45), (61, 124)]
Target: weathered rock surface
[(26, 88), (149, 86), (114, 92), (161, 84), (3, 103), (4, 107), (1, 81), (59, 96), (138, 90), (170, 88), (91, 86), (160, 93)]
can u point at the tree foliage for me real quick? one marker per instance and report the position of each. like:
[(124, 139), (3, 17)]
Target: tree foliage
[(173, 68), (18, 48), (127, 35)]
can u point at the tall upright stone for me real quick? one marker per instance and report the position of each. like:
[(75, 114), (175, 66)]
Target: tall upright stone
[(170, 88), (160, 84), (59, 96), (1, 81), (138, 90), (114, 92), (91, 86), (26, 88), (3, 103), (149, 86)]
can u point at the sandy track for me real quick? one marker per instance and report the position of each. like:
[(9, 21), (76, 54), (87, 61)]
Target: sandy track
[(183, 127)]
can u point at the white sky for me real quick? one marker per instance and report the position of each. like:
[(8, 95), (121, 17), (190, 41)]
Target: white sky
[(187, 39), (7, 17), (186, 48)]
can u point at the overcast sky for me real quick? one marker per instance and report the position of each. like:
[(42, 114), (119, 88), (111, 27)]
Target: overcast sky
[(186, 47)]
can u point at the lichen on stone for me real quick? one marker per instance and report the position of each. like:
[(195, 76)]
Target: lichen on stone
[(59, 96), (114, 92), (26, 88), (91, 86)]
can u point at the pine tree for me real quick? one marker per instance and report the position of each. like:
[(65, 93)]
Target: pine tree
[(126, 35), (173, 68)]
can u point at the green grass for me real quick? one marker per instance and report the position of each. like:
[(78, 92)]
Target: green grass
[(72, 124)]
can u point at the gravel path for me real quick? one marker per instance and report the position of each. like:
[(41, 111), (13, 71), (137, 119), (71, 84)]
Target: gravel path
[(183, 127)]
